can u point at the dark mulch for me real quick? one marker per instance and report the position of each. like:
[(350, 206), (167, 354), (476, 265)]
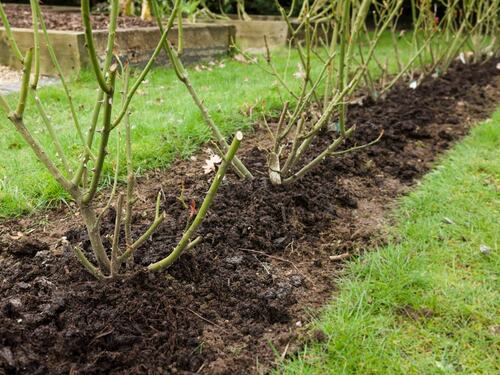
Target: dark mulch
[(20, 16), (265, 264)]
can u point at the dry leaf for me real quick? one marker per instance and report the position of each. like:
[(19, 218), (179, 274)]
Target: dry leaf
[(484, 249), (462, 58), (299, 74), (211, 163), (16, 236), (240, 58)]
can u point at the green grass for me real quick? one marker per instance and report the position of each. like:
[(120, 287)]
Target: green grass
[(166, 123), (431, 268)]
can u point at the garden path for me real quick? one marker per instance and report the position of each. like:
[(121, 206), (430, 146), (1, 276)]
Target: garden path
[(10, 80)]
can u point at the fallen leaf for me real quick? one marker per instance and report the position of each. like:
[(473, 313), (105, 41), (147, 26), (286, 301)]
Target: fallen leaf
[(484, 249), (495, 330), (447, 220), (241, 58), (16, 236), (299, 74), (462, 58), (211, 163), (192, 209)]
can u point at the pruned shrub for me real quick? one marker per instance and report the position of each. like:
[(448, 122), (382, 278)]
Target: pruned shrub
[(81, 176)]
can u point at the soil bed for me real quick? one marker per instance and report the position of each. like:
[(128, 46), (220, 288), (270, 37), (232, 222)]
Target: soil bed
[(20, 16), (265, 265)]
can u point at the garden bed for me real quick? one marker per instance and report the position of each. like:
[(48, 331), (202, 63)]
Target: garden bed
[(136, 40), (68, 19), (268, 258)]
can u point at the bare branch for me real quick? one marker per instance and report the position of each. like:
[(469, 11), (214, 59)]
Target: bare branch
[(185, 241)]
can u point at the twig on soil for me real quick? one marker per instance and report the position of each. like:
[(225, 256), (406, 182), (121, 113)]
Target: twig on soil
[(201, 368), (262, 264), (340, 257), (206, 320), (108, 332), (285, 351), (103, 333), (278, 259)]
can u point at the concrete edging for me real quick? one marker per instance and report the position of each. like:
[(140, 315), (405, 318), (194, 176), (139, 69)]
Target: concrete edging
[(201, 41), (250, 34)]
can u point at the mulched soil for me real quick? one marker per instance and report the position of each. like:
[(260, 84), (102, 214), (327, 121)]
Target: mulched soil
[(20, 16), (267, 262)]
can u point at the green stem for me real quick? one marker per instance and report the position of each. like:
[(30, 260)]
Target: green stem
[(10, 36), (180, 36), (182, 74), (21, 105), (36, 41), (43, 157), (159, 218), (344, 35), (290, 161), (115, 181), (58, 68), (52, 133), (149, 64), (116, 236), (4, 105), (318, 159), (185, 240), (106, 131), (77, 180), (130, 167), (113, 17), (89, 40), (406, 67), (91, 221), (94, 271)]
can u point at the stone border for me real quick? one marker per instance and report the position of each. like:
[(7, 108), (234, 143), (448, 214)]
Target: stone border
[(201, 41), (250, 34)]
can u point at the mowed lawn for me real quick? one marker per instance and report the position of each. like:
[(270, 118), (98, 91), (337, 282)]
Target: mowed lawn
[(429, 302)]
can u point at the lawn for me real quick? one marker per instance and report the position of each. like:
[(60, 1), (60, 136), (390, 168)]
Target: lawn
[(166, 123), (428, 302)]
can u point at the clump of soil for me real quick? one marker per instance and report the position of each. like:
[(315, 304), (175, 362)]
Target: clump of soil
[(20, 16), (267, 260)]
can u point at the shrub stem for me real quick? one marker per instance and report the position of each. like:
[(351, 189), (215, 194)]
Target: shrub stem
[(185, 242)]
